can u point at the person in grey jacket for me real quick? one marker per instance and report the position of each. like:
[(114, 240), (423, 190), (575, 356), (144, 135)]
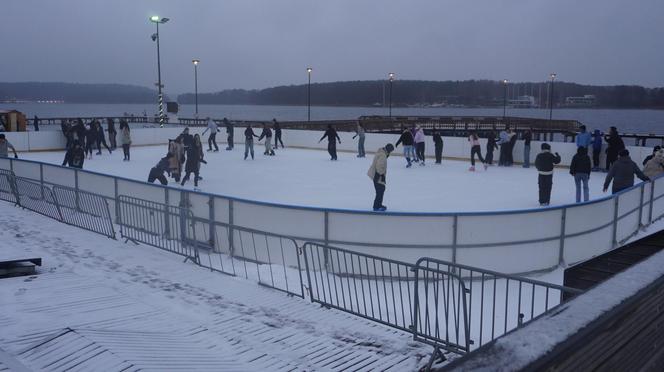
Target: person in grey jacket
[(622, 173), (5, 146), (359, 132), (212, 140)]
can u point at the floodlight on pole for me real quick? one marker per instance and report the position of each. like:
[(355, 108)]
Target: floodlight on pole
[(196, 62), (155, 37), (309, 70), (552, 76), (505, 81), (391, 79)]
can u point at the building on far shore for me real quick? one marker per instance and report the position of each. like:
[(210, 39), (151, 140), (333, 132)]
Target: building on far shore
[(587, 100), (523, 102)]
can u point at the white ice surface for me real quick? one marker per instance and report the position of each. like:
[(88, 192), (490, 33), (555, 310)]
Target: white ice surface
[(309, 178)]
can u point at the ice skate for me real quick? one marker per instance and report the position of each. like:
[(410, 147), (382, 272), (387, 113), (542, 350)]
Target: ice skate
[(472, 168)]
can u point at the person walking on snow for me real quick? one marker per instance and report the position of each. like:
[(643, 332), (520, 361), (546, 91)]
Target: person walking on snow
[(229, 132), (419, 143), (544, 162), (438, 145), (249, 142), (527, 137), (267, 134), (407, 140), (277, 134), (580, 170), (377, 173), (622, 173), (5, 146), (157, 172), (212, 139), (475, 148), (597, 148), (359, 132), (194, 160), (655, 166), (75, 156), (332, 138), (125, 141)]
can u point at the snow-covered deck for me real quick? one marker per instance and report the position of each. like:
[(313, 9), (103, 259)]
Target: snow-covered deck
[(101, 304)]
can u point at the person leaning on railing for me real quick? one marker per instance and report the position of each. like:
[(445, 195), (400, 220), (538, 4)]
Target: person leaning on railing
[(622, 173), (5, 146)]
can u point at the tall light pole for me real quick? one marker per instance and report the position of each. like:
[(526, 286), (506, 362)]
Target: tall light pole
[(196, 62), (553, 78), (309, 69), (505, 81), (155, 37), (391, 79)]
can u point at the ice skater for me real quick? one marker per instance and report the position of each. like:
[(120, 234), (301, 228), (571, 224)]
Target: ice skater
[(332, 138), (176, 148), (112, 133), (419, 143), (490, 147), (90, 139), (580, 170), (5, 146), (212, 139), (249, 142), (229, 132), (615, 146), (597, 149), (100, 137), (75, 156), (359, 132), (194, 160), (438, 146), (655, 166), (163, 166), (377, 173), (622, 173), (544, 162), (125, 141), (527, 138), (475, 148), (277, 134), (407, 140), (267, 134)]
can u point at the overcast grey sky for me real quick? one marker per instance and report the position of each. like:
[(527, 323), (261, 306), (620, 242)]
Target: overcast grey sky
[(262, 43)]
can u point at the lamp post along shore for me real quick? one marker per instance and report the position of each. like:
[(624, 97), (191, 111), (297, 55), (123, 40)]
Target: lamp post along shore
[(505, 81), (391, 79), (155, 37), (553, 78), (309, 69), (196, 62)]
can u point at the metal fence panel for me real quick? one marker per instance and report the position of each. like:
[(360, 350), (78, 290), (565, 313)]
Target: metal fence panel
[(37, 198), (8, 191), (85, 210)]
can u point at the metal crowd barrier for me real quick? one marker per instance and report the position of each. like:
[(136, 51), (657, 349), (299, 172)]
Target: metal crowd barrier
[(84, 209), (37, 198), (8, 190)]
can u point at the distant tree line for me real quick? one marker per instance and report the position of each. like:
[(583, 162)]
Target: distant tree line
[(412, 92), (76, 93)]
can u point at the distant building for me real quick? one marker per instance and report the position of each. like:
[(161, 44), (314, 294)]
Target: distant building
[(522, 102), (585, 101)]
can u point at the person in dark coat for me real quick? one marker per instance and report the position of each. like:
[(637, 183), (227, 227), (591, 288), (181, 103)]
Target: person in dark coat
[(490, 147), (580, 169), (101, 139), (616, 145), (79, 130), (332, 138), (544, 162), (65, 126), (90, 139), (622, 173), (510, 148), (527, 137), (654, 151), (267, 134), (438, 146), (408, 141), (35, 122), (75, 155), (229, 133), (597, 148), (112, 133), (194, 160), (277, 134), (249, 142), (157, 172), (187, 139)]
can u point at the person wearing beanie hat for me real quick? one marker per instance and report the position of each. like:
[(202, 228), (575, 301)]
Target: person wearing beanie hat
[(544, 162), (622, 173), (377, 173)]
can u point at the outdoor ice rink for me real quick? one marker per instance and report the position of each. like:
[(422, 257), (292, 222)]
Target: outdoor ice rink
[(308, 178)]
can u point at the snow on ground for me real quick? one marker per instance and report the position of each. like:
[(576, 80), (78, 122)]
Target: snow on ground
[(229, 312), (309, 178)]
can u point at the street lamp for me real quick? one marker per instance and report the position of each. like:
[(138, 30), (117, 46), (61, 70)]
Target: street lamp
[(391, 79), (505, 81), (553, 78), (196, 62), (309, 69), (155, 37)]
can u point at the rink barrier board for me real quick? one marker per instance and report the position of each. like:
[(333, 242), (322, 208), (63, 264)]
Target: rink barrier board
[(455, 232)]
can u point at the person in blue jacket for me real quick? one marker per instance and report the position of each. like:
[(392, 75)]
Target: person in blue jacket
[(583, 138)]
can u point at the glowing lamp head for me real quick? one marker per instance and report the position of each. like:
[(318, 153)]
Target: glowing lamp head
[(309, 69), (552, 76), (505, 81), (391, 76), (195, 62), (154, 18)]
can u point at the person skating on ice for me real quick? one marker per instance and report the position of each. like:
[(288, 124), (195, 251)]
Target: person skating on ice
[(163, 166), (125, 141), (332, 138), (75, 156), (100, 137), (419, 143), (267, 134), (490, 147), (230, 131), (377, 172), (249, 142), (277, 134), (407, 139), (194, 160), (544, 162), (475, 149), (212, 139), (438, 146), (360, 132), (622, 173), (90, 139), (580, 168)]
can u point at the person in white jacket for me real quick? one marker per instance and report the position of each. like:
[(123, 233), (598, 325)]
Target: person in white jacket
[(377, 173), (212, 140), (419, 143)]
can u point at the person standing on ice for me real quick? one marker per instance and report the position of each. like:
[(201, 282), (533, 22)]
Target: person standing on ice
[(277, 134), (75, 156), (125, 141), (112, 133), (187, 139), (580, 170), (249, 142), (475, 148), (510, 150), (438, 146), (212, 140), (90, 138), (622, 173), (229, 133), (544, 162), (419, 143), (527, 137), (332, 138), (377, 173), (597, 149), (583, 138), (267, 134), (407, 140), (176, 148), (5, 146), (616, 145), (503, 141), (359, 132), (101, 139), (157, 172), (194, 160), (490, 146)]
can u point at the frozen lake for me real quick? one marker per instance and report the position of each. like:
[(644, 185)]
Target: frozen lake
[(308, 178)]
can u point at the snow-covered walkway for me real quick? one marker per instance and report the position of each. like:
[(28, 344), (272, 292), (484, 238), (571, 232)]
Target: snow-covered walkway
[(101, 304)]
